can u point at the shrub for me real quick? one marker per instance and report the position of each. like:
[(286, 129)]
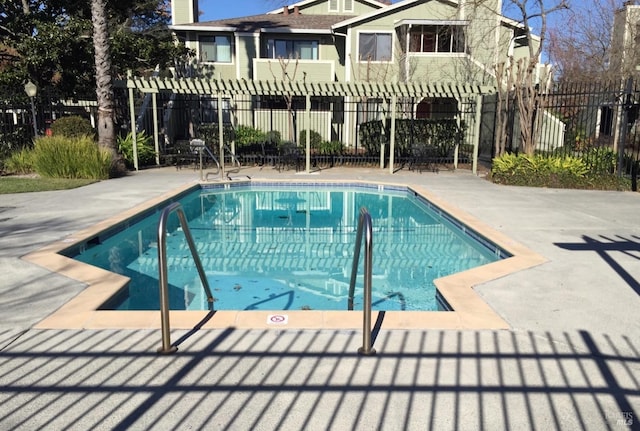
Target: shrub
[(551, 171), (600, 160), (333, 147), (441, 135), (20, 162), (273, 137), (371, 134), (525, 165), (506, 164), (208, 132), (73, 126), (63, 157), (146, 152), (246, 135), (314, 137)]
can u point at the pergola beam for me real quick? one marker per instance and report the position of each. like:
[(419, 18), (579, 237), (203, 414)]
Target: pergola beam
[(383, 90), (300, 88)]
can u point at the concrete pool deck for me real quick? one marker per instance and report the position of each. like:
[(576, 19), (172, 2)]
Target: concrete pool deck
[(569, 360)]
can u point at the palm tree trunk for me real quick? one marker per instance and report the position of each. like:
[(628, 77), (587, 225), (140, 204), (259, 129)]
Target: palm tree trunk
[(104, 84)]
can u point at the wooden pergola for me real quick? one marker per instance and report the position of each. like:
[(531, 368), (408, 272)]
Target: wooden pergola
[(392, 91)]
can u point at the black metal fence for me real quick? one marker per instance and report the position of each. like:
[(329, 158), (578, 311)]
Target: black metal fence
[(16, 127), (339, 128), (17, 122), (597, 121)]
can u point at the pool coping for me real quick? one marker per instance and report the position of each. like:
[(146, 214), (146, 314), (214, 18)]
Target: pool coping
[(470, 311)]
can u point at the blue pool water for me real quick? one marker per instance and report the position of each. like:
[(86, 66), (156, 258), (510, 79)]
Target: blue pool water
[(275, 247)]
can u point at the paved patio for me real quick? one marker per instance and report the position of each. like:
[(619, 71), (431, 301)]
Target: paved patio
[(571, 360)]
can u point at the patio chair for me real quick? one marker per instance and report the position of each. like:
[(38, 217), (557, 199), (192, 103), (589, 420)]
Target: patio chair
[(290, 156)]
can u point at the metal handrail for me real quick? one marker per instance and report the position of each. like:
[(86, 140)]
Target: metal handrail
[(364, 222), (163, 273), (199, 145)]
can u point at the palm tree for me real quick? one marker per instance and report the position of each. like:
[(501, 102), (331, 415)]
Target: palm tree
[(104, 84)]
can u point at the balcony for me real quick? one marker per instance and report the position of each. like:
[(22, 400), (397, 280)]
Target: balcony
[(268, 69)]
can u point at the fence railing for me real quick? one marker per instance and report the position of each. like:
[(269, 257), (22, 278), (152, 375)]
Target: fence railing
[(594, 120)]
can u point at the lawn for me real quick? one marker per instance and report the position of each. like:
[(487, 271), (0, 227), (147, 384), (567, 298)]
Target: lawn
[(29, 184)]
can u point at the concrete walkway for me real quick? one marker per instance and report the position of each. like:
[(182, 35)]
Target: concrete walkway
[(570, 362)]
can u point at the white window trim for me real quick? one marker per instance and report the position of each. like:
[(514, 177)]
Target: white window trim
[(344, 7), (358, 60), (441, 53), (300, 59), (232, 39), (438, 54)]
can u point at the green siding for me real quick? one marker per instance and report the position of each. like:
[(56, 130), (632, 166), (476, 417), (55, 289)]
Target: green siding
[(488, 40), (385, 22), (321, 7), (323, 69), (440, 69), (183, 11), (218, 70), (247, 51), (306, 70)]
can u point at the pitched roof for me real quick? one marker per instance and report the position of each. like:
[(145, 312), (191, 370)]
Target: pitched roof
[(351, 20), (386, 10), (268, 22), (374, 3)]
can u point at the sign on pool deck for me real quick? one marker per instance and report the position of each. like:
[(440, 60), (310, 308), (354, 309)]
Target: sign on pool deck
[(277, 319)]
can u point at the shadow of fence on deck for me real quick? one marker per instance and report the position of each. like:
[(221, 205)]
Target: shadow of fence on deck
[(605, 247), (295, 380)]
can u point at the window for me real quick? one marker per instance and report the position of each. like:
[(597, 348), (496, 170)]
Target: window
[(209, 110), (374, 47), (298, 103), (606, 121), (437, 38), (372, 109), (215, 49), (296, 49), (348, 5), (333, 5)]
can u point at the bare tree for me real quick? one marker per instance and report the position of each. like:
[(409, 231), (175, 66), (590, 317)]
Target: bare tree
[(288, 76), (580, 43), (523, 78), (503, 104)]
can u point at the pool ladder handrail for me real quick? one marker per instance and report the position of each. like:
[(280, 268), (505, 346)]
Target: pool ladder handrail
[(163, 272), (199, 146), (364, 223)]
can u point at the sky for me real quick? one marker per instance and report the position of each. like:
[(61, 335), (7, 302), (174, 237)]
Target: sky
[(218, 9)]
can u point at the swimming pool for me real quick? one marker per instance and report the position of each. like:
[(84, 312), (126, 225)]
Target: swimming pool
[(289, 247)]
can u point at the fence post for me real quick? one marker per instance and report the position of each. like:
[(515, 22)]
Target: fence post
[(628, 104), (477, 128), (392, 133)]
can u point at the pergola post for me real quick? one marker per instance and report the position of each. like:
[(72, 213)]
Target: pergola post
[(392, 133), (221, 136), (307, 114), (154, 102)]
